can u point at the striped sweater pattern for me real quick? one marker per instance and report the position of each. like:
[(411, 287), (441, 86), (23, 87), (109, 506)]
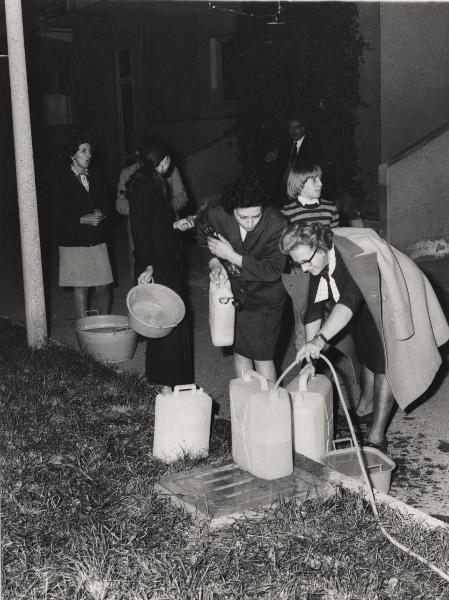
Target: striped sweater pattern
[(325, 212)]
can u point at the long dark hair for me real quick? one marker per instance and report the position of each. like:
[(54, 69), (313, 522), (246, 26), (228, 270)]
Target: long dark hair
[(151, 149)]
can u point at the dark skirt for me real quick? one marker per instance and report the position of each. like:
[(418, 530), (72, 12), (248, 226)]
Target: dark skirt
[(169, 360), (257, 331), (368, 342)]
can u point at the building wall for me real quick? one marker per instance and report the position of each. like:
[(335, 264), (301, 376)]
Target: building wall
[(414, 90), (368, 129), (414, 84), (177, 101), (8, 190), (417, 194), (207, 154), (208, 170), (405, 82)]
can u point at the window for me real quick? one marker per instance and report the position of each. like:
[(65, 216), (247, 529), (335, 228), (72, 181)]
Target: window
[(222, 71), (125, 99), (57, 103)]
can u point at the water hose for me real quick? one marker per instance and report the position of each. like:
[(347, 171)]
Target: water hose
[(368, 484)]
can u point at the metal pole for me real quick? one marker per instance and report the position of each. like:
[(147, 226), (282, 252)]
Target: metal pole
[(26, 188)]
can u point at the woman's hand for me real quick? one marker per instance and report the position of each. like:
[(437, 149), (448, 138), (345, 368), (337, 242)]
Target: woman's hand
[(272, 155), (146, 276), (92, 219), (311, 350), (217, 273), (185, 224), (222, 248)]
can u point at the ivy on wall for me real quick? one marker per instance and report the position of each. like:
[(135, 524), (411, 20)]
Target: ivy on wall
[(309, 63)]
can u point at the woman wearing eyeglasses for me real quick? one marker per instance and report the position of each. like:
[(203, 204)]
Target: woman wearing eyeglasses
[(395, 316)]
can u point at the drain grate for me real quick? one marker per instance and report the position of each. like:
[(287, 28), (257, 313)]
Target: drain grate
[(223, 489)]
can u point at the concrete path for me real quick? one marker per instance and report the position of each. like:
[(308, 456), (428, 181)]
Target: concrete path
[(419, 440)]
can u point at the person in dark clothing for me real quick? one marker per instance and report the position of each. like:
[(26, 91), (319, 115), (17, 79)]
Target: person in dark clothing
[(81, 206), (295, 150), (247, 249), (169, 359)]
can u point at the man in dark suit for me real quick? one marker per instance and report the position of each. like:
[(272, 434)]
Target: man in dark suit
[(298, 148)]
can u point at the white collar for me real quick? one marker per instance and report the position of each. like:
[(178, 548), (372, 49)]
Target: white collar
[(323, 287), (306, 201)]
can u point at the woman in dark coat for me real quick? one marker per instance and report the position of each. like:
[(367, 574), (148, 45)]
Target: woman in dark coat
[(81, 205), (247, 249), (169, 359)]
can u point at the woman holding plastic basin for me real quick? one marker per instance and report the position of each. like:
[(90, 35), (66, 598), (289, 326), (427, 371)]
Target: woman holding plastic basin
[(397, 321), (243, 238), (169, 359)]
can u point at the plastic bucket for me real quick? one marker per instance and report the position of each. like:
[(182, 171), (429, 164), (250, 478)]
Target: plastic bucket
[(378, 465), (106, 337), (154, 310)]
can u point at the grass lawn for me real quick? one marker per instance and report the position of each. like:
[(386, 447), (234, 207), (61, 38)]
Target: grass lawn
[(81, 520)]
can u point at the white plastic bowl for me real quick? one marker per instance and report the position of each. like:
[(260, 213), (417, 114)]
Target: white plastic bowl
[(154, 310)]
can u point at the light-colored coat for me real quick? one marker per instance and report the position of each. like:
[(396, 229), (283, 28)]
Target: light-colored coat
[(406, 310), (404, 306)]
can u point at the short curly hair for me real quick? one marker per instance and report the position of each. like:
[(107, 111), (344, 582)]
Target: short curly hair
[(314, 236), (73, 141), (245, 192)]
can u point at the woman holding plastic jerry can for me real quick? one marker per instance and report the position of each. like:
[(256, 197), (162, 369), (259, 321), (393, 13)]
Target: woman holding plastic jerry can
[(168, 359), (243, 237), (397, 321)]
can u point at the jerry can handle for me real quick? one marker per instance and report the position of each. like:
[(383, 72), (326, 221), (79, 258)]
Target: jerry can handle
[(379, 466), (305, 374), (122, 329), (145, 284), (263, 381), (186, 386), (335, 443)]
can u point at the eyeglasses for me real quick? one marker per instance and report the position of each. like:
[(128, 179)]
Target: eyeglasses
[(301, 263)]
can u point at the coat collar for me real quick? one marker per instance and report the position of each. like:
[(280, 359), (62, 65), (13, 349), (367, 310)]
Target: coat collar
[(347, 247)]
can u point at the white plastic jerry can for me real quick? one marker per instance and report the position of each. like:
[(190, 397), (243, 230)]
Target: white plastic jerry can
[(269, 434), (221, 313), (241, 390), (313, 413), (182, 423), (261, 427)]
